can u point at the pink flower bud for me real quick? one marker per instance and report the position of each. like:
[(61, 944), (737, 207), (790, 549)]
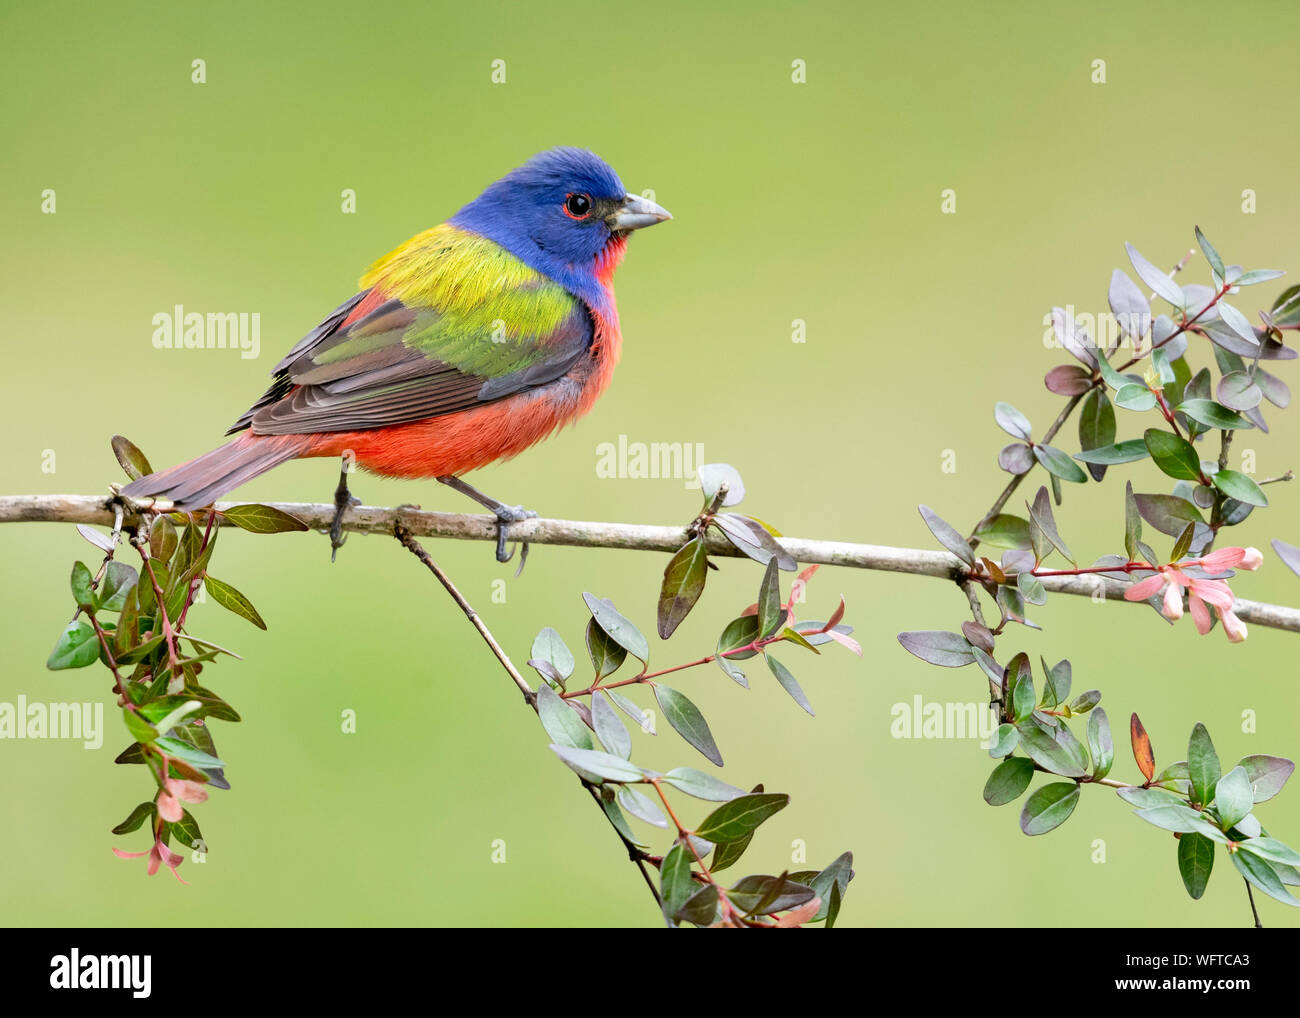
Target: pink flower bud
[(168, 808), (1143, 589), (1233, 626), (1173, 606), (187, 791), (1253, 559), (1223, 558)]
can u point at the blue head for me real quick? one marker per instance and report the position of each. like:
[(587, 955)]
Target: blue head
[(558, 213)]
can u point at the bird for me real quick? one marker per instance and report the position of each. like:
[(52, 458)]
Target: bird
[(462, 347)]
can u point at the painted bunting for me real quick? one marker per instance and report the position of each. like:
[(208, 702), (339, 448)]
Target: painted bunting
[(466, 345)]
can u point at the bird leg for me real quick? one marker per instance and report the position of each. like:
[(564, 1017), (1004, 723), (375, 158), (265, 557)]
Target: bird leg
[(505, 515), (343, 501)]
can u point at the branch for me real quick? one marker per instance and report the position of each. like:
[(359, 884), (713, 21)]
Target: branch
[(579, 534)]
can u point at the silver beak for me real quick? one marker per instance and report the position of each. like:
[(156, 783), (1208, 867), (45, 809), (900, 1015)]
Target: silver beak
[(635, 213)]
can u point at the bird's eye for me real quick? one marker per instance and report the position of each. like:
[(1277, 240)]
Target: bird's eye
[(576, 206)]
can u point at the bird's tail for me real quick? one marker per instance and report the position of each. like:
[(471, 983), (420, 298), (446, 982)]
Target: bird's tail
[(204, 479)]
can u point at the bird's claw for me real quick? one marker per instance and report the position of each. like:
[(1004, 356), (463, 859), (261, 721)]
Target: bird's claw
[(507, 515), (343, 501)]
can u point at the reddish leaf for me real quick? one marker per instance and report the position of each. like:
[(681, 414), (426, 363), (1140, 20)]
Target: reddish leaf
[(1142, 752)]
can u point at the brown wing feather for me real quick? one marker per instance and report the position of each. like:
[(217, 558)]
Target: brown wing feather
[(384, 382)]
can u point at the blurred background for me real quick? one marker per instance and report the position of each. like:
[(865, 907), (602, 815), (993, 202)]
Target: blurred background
[(817, 201)]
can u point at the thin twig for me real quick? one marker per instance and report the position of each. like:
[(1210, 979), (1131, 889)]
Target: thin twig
[(409, 542), (572, 533), (1014, 483), (1253, 910)]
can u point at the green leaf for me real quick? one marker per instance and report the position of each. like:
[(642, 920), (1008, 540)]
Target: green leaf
[(754, 539), (1096, 424), (605, 766), (701, 908), (683, 584), (1169, 514), (137, 817), (133, 461), (610, 797), (1155, 278), (619, 629), (789, 683), (675, 883), (1272, 850), (701, 785), (1195, 862), (262, 519), (1174, 816), (763, 894), (1008, 781), (729, 853), (1132, 396), (770, 614), (1239, 486), (1012, 421), (1286, 308), (82, 592), (187, 753), (1216, 266), (1060, 753), (1004, 741), (641, 806), (947, 535), (232, 600), (1236, 321), (1100, 744), (740, 633), (948, 650), (740, 816), (1173, 454), (118, 581), (1056, 690), (1132, 520), (1049, 807), (77, 647), (1143, 798), (1213, 415), (687, 720), (1020, 687), (609, 726), (1031, 588), (1267, 774), (1262, 874), (1202, 765), (1184, 543), (1128, 451), (1233, 797), (1040, 515), (550, 646), (644, 721), (1006, 531), (606, 655), (1164, 372), (1059, 464), (714, 475), (561, 723)]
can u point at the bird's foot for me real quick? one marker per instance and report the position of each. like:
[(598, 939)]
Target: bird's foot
[(506, 515), (343, 501)]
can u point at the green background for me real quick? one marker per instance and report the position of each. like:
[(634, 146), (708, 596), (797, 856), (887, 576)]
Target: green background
[(816, 201)]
